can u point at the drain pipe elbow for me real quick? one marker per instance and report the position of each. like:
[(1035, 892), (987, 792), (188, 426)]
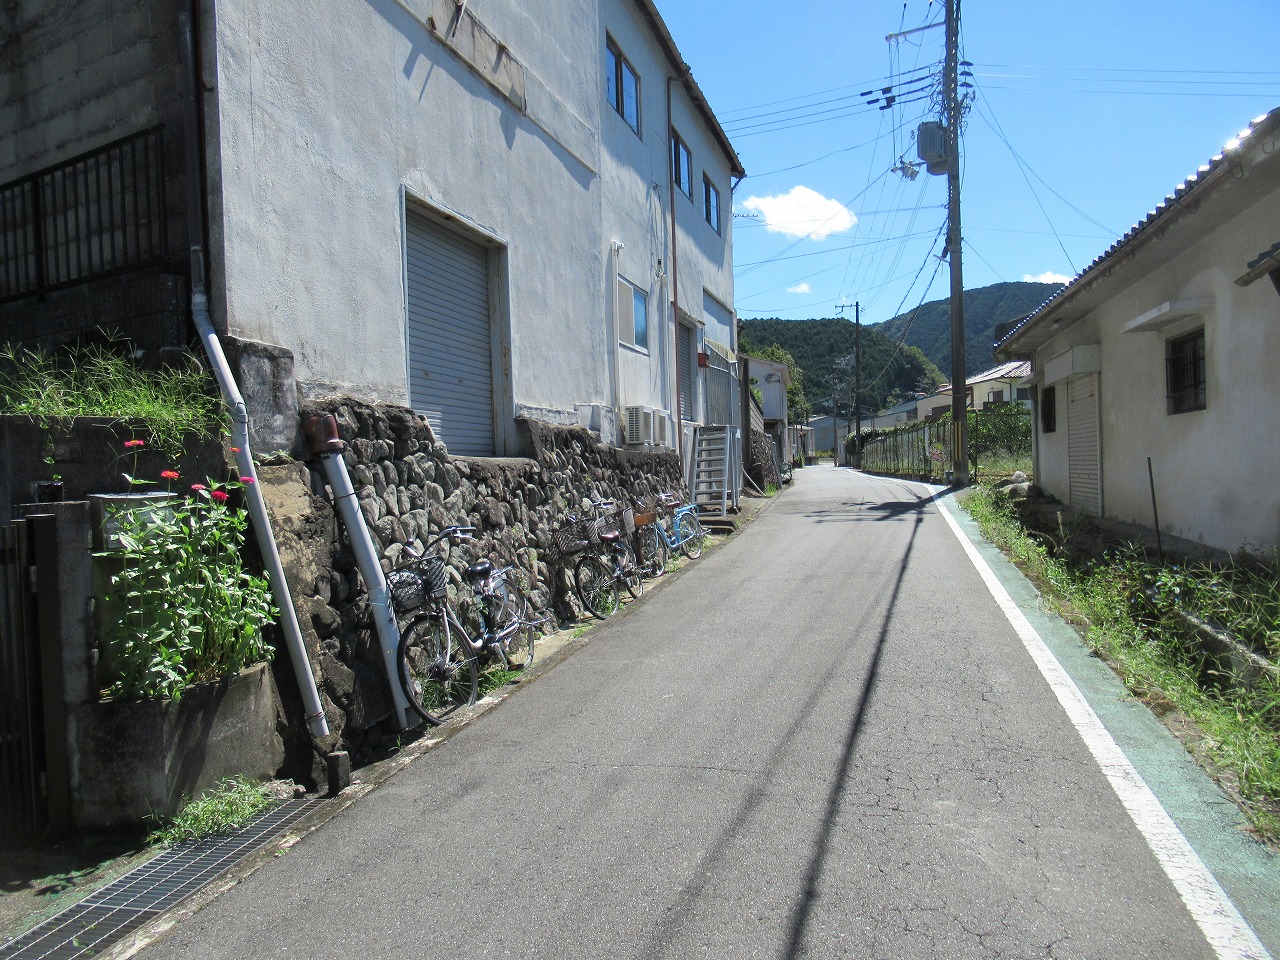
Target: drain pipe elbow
[(316, 720)]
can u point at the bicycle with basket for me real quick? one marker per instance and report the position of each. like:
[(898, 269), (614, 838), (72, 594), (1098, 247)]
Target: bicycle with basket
[(439, 658)]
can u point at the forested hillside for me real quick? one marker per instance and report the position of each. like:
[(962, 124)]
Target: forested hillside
[(818, 346), (930, 328)]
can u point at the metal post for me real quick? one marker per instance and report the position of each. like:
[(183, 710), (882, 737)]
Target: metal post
[(951, 121)]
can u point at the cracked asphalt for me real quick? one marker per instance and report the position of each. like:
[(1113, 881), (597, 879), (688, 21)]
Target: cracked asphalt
[(822, 740)]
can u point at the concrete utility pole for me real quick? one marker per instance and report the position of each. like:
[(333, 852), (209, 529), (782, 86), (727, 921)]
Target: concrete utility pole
[(951, 124), (857, 383)]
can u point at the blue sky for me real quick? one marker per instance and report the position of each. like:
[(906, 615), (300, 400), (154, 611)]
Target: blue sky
[(1107, 106)]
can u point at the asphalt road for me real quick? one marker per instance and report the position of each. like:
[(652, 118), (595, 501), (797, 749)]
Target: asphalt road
[(822, 740)]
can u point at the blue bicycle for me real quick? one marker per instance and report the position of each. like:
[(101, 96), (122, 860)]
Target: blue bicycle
[(679, 530)]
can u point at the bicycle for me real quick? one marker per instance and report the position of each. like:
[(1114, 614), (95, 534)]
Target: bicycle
[(438, 658), (685, 532), (600, 564)]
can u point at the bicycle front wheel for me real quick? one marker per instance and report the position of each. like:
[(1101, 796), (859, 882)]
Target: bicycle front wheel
[(632, 576), (437, 667), (517, 634), (653, 551), (597, 589), (692, 536)]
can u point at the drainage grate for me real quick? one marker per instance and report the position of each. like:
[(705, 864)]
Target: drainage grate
[(90, 926)]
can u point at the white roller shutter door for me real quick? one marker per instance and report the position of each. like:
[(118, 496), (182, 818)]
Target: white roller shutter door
[(449, 338), (1084, 444)]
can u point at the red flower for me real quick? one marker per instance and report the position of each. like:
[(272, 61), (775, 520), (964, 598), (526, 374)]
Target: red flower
[(169, 474), (219, 495), (134, 444), (246, 480), (198, 487)]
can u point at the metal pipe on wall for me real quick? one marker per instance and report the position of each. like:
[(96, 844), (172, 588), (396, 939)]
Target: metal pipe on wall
[(236, 407)]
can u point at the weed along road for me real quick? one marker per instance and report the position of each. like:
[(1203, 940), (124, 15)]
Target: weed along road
[(824, 739)]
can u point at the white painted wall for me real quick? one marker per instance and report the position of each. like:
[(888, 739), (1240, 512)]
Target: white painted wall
[(637, 208), (1215, 470), (329, 116)]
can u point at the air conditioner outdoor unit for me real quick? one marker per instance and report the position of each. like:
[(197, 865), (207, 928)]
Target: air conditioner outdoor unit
[(639, 424), (661, 428)]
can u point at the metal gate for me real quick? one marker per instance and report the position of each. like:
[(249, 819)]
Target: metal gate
[(722, 389), (22, 773)]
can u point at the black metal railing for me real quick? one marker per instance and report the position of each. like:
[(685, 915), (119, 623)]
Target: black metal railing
[(95, 215)]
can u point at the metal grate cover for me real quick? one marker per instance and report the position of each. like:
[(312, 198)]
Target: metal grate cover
[(90, 926)]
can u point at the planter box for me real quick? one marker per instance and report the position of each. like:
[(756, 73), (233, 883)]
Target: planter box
[(130, 761), (106, 509)]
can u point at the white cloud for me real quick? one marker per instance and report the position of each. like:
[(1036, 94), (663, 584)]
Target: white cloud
[(1047, 277), (800, 288), (802, 213)]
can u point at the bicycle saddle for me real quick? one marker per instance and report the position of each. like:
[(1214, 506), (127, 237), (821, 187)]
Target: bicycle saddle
[(611, 536), (478, 571)]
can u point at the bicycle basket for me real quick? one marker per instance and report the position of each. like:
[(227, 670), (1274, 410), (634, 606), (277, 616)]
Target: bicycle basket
[(628, 521), (568, 540), (418, 582), (645, 518)]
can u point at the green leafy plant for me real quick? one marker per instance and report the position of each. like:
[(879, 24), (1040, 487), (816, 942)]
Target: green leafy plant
[(1125, 606), (224, 809), (104, 381), (185, 609)]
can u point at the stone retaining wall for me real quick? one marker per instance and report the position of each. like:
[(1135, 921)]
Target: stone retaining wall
[(409, 487)]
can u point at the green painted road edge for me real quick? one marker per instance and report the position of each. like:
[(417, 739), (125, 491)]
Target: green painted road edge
[(1246, 869)]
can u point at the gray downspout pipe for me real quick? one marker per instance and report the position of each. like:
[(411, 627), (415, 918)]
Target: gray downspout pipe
[(322, 435), (239, 412)]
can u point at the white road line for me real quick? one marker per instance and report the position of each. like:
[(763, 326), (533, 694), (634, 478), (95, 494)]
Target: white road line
[(1226, 930)]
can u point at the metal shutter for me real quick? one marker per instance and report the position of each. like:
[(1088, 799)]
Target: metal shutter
[(449, 341), (684, 370), (1084, 445)]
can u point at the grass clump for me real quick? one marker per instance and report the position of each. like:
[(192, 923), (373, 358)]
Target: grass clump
[(102, 380), (1126, 607), (223, 810)]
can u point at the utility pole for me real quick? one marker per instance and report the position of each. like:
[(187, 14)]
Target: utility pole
[(951, 126), (857, 381)]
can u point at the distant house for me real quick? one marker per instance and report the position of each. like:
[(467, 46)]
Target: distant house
[(772, 378), (1166, 347), (1000, 384), (480, 213)]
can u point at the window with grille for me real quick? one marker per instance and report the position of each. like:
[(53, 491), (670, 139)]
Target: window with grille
[(1184, 373)]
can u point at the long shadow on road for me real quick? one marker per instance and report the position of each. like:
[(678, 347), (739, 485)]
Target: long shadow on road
[(691, 894)]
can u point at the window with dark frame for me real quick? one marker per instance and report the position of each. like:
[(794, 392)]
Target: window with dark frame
[(1184, 372), (1048, 409), (681, 165), (710, 203), (622, 86)]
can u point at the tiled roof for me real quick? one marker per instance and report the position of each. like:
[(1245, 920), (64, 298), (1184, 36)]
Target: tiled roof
[(1264, 256), (1180, 192)]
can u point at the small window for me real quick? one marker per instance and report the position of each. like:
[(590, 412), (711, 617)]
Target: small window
[(622, 86), (711, 203), (1048, 409), (1024, 394), (1184, 373), (633, 315), (681, 165)]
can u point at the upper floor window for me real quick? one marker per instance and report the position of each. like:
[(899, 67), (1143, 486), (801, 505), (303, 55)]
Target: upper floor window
[(633, 314), (1184, 373), (681, 165), (622, 86), (710, 203)]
